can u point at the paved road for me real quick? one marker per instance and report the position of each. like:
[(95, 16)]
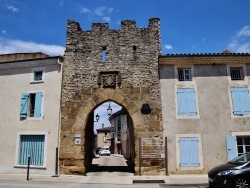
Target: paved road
[(29, 184), (105, 165)]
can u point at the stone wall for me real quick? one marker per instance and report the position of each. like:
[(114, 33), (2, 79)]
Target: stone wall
[(129, 77)]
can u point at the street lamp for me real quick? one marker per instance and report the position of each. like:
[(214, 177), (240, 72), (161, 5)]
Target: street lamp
[(97, 117), (109, 110)]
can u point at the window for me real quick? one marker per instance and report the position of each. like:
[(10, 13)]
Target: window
[(31, 105), (37, 75), (236, 73), (133, 55), (186, 100), (237, 146), (33, 146), (184, 74), (243, 145), (105, 139), (189, 152), (240, 101), (104, 54)]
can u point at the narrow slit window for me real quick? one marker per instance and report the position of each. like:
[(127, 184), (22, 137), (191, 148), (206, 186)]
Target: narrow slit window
[(133, 56), (104, 55)]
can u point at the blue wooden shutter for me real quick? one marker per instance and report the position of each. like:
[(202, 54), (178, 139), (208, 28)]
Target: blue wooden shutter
[(231, 147), (240, 100), (186, 102), (191, 101), (189, 152), (32, 145), (24, 105), (38, 104), (245, 101), (181, 99)]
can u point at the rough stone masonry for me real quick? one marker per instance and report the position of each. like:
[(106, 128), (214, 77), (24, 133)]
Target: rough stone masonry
[(100, 65)]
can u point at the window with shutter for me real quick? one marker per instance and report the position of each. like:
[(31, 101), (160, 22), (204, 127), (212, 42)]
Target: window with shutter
[(186, 100), (31, 105), (33, 146), (189, 152), (240, 101)]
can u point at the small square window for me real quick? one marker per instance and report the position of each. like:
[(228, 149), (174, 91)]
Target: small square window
[(236, 73), (38, 75), (184, 74)]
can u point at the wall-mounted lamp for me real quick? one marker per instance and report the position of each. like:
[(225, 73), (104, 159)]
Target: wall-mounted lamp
[(145, 109), (97, 117), (109, 110)]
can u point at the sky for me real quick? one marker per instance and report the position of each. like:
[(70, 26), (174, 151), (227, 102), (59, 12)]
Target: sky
[(102, 112), (186, 26)]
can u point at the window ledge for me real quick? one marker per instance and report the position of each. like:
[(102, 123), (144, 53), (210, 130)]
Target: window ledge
[(190, 168), (240, 116), (188, 117), (36, 82), (31, 167)]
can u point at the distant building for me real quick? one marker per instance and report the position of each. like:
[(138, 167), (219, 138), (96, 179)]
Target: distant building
[(123, 139), (30, 112), (104, 136)]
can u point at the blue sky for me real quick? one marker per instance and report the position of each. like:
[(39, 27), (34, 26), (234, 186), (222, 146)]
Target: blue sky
[(187, 26)]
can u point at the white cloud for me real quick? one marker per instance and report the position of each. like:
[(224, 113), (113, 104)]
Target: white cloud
[(12, 8), (4, 31), (17, 46), (244, 31), (101, 11), (106, 19), (240, 43), (85, 10), (168, 47)]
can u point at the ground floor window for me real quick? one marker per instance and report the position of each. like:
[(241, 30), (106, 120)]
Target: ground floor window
[(33, 146), (189, 152), (243, 145)]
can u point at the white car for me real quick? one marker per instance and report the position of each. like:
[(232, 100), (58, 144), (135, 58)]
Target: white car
[(104, 151)]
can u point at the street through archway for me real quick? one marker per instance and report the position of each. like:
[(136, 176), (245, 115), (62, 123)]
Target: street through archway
[(113, 164)]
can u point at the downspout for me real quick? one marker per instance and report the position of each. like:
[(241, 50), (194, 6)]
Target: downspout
[(59, 62)]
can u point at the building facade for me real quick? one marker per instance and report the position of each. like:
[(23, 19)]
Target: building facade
[(30, 113), (206, 109)]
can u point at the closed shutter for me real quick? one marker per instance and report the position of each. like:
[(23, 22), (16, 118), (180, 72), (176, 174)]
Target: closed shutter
[(38, 104), (189, 152), (240, 100), (24, 105), (191, 102), (231, 147), (181, 99), (186, 102), (32, 145)]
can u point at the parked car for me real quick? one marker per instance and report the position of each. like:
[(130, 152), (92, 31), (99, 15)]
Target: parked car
[(98, 150), (235, 173), (104, 151)]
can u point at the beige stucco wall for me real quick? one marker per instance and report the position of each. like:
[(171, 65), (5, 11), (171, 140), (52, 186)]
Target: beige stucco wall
[(14, 82), (214, 120)]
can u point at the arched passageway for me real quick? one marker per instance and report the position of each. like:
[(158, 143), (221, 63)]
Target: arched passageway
[(77, 124), (118, 136)]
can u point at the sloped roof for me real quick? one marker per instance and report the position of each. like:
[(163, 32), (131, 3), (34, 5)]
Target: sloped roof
[(22, 56)]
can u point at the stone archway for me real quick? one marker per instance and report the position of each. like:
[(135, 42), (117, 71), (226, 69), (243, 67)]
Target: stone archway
[(75, 118)]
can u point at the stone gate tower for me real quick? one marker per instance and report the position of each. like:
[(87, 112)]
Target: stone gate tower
[(109, 65)]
